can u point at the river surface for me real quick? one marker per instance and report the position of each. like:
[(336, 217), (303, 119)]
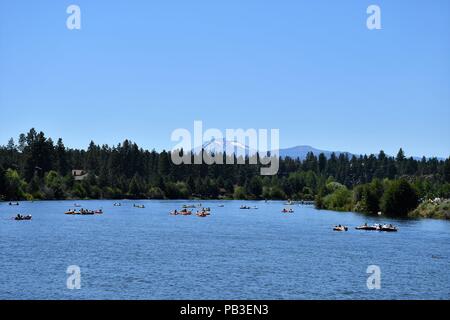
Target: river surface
[(132, 253)]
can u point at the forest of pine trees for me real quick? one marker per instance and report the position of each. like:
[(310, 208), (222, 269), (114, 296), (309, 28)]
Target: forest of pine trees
[(38, 168)]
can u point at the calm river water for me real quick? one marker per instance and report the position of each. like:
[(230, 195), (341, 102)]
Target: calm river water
[(132, 253)]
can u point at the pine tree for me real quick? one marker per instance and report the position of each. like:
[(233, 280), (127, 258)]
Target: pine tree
[(400, 155), (62, 164)]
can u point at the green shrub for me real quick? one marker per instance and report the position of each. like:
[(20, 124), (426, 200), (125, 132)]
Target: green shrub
[(399, 198)]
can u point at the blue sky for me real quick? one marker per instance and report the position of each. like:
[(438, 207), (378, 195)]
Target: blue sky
[(140, 69)]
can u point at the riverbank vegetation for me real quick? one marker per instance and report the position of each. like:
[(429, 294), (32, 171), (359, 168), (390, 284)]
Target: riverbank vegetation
[(37, 168), (392, 197), (432, 208)]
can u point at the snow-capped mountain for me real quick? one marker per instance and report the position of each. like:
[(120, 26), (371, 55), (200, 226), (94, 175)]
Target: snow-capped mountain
[(222, 145)]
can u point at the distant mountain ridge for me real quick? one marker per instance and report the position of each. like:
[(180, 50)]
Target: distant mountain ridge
[(302, 151), (217, 146), (230, 147)]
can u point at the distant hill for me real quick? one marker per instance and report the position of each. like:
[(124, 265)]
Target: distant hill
[(302, 151), (216, 146)]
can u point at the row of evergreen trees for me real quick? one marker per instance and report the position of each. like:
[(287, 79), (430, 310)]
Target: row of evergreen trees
[(38, 168)]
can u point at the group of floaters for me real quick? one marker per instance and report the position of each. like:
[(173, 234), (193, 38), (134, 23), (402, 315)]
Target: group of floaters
[(248, 207), (84, 211), (375, 227), (22, 217), (98, 211), (185, 212)]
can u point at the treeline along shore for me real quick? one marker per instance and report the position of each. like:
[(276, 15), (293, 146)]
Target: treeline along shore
[(37, 168)]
